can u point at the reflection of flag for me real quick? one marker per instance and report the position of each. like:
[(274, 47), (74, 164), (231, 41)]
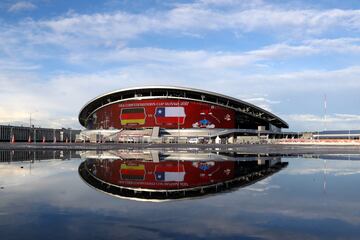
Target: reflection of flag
[(170, 115), (132, 172), (227, 117), (132, 116), (204, 165), (170, 173)]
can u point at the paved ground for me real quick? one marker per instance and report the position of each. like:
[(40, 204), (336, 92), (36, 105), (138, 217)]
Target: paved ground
[(245, 148)]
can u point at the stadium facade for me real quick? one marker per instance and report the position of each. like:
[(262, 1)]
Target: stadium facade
[(170, 108)]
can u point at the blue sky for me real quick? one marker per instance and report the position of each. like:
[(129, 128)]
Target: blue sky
[(284, 56)]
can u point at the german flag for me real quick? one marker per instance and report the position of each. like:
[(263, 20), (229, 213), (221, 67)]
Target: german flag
[(132, 116)]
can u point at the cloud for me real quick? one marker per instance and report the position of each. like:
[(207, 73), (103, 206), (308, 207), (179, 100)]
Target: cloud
[(117, 28), (74, 37), (220, 60), (22, 6), (59, 97), (260, 101), (232, 3), (11, 65), (329, 118), (51, 65), (286, 51), (247, 17), (312, 122), (56, 101), (336, 45), (308, 80)]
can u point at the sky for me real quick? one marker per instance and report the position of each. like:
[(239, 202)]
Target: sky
[(292, 58)]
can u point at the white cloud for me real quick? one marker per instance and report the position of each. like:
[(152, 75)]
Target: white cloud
[(113, 29), (21, 6), (232, 3), (220, 60), (59, 98), (308, 81), (101, 43), (329, 118), (105, 36), (17, 66), (56, 101), (337, 45), (258, 15), (262, 102), (311, 122)]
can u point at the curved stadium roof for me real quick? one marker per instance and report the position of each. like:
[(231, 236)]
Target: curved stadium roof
[(173, 92)]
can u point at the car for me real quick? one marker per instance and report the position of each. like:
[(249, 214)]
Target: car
[(193, 140)]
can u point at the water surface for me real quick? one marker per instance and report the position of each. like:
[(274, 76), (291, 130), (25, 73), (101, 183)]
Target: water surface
[(43, 196)]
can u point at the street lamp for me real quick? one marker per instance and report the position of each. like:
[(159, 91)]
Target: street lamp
[(30, 125), (11, 134)]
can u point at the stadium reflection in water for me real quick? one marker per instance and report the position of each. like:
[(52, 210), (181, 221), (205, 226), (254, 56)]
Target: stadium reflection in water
[(161, 176), (179, 195)]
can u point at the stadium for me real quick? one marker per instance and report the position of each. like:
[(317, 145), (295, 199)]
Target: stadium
[(177, 113)]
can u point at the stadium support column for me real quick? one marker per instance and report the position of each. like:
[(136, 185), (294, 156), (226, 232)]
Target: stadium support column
[(231, 139)]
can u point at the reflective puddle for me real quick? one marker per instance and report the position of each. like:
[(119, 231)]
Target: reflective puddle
[(167, 194)]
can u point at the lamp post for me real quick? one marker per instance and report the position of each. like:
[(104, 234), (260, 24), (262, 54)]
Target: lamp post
[(178, 122), (31, 126), (11, 134)]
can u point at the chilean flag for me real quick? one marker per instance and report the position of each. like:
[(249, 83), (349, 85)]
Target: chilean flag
[(170, 115), (170, 173)]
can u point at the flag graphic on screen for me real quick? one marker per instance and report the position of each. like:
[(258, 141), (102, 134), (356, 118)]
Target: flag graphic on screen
[(170, 115), (132, 172), (170, 173), (132, 116)]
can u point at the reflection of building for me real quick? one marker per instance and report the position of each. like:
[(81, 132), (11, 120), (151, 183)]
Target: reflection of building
[(347, 157), (158, 176), (174, 112)]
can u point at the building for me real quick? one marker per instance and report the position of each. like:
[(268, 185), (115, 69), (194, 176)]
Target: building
[(10, 133), (176, 111), (338, 134)]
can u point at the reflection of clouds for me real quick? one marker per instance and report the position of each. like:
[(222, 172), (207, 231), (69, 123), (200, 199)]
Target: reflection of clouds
[(262, 189), (328, 167), (331, 171), (18, 173), (262, 186), (303, 195), (242, 213), (347, 173)]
